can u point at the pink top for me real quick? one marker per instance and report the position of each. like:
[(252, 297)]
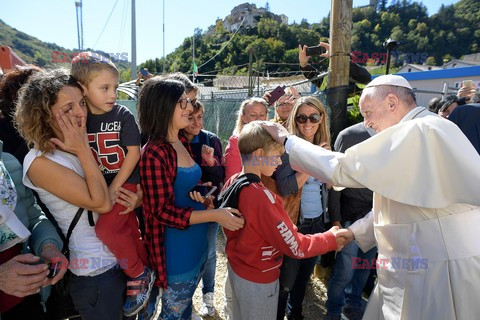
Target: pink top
[(232, 158)]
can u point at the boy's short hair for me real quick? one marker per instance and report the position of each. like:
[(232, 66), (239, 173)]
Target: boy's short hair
[(253, 136), (86, 65)]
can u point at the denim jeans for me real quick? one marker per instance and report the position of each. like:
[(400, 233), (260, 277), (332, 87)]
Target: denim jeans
[(208, 279), (177, 298), (346, 284), (295, 273)]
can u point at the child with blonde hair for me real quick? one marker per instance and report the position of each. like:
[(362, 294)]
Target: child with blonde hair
[(114, 139)]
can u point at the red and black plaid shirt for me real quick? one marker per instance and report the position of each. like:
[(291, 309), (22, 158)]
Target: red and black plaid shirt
[(158, 171)]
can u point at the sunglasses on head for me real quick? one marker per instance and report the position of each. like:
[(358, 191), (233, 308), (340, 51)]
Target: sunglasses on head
[(314, 118)]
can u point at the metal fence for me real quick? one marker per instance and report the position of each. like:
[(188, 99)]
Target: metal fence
[(223, 100)]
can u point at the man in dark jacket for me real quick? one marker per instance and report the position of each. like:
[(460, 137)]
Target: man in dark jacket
[(467, 118), (346, 207)]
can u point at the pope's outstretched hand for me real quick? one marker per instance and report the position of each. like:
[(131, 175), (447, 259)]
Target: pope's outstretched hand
[(276, 130)]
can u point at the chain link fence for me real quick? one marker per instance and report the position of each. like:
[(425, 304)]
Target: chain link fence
[(223, 100), (223, 96)]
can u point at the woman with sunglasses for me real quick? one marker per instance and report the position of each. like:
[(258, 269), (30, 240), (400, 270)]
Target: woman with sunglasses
[(176, 232), (308, 121)]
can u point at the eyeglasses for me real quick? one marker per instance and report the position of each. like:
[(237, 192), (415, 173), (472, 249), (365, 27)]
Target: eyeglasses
[(183, 102), (314, 118)]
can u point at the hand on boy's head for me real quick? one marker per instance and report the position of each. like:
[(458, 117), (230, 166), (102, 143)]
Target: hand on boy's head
[(276, 130)]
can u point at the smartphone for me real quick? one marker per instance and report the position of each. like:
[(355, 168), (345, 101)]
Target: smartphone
[(276, 94), (144, 72), (468, 83), (315, 51), (205, 191), (54, 269)]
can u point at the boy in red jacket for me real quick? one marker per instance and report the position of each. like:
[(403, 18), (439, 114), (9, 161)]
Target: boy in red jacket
[(256, 251)]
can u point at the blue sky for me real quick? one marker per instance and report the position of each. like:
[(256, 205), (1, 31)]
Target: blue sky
[(55, 20)]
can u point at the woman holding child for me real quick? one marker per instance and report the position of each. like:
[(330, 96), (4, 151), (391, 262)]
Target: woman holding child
[(51, 115), (176, 232), (308, 120)]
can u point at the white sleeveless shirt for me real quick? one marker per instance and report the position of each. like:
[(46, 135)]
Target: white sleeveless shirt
[(88, 255)]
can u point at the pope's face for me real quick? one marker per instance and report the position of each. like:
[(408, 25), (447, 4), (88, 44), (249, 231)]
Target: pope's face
[(377, 113)]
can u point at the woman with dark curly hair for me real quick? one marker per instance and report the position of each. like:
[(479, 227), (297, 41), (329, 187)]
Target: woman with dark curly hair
[(51, 116)]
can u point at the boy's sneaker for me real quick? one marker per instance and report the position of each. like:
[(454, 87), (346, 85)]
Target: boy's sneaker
[(152, 309), (138, 291), (207, 309)]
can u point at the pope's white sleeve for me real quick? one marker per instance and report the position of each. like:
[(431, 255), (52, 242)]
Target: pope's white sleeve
[(318, 162), (363, 231)]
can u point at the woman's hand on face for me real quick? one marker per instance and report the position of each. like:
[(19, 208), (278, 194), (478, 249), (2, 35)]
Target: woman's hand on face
[(74, 132), (230, 218), (130, 200)]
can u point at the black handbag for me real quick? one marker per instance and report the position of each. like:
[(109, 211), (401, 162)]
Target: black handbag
[(59, 304)]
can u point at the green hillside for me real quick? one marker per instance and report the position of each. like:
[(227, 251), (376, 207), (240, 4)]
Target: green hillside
[(30, 49), (452, 32), (44, 54)]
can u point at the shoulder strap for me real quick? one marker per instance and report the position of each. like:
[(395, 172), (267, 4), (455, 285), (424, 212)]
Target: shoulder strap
[(72, 226)]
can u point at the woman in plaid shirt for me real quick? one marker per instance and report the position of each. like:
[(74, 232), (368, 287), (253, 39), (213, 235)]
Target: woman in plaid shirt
[(176, 236)]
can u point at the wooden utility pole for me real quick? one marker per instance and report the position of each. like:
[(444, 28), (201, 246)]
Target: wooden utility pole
[(251, 82), (339, 68)]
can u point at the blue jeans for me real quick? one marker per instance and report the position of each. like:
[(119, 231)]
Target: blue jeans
[(177, 298), (346, 284), (295, 273), (208, 279)]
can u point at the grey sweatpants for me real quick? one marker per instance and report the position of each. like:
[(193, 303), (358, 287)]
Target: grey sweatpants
[(251, 300)]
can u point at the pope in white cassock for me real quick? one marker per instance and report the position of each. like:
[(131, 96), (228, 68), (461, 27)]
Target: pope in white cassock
[(425, 220)]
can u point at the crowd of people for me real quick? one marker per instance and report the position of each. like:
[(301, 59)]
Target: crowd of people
[(128, 223)]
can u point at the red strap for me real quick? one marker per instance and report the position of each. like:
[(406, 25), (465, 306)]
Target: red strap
[(133, 292), (134, 283)]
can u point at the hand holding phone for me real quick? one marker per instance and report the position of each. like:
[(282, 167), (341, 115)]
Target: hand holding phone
[(467, 83), (205, 190), (315, 51), (276, 94), (54, 269)]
